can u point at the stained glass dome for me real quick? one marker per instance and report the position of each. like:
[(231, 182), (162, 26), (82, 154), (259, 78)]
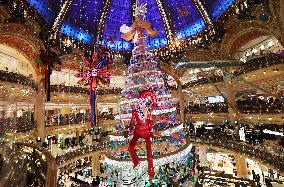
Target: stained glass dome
[(88, 20)]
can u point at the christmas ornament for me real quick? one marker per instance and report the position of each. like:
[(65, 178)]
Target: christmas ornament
[(49, 60), (94, 71)]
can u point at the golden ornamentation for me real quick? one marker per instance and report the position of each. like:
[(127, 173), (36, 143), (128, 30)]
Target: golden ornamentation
[(139, 25)]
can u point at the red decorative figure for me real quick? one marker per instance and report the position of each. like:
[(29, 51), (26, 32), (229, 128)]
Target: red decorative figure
[(143, 129)]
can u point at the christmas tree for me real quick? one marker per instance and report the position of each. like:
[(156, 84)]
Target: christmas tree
[(144, 74)]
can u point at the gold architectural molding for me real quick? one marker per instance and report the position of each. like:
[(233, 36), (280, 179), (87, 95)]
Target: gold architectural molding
[(238, 33), (23, 38), (277, 13), (170, 70)]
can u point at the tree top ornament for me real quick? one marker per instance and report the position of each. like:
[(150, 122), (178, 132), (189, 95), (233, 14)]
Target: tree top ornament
[(139, 25), (140, 10)]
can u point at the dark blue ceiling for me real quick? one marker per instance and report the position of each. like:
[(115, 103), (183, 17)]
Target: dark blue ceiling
[(82, 19), (119, 13)]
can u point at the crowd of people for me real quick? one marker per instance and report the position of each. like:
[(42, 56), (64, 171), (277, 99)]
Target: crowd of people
[(113, 90), (259, 152), (71, 142), (221, 137), (67, 119), (219, 178), (67, 89), (257, 105), (81, 151), (204, 80), (12, 161), (178, 173), (249, 105), (84, 90), (259, 62), (207, 108), (174, 173), (17, 78), (255, 63), (23, 123), (182, 173), (106, 116)]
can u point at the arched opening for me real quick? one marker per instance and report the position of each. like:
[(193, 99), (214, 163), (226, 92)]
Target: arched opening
[(257, 45), (17, 90), (13, 61)]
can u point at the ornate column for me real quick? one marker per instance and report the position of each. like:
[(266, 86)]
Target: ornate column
[(231, 89), (15, 115), (202, 152), (277, 13), (181, 101), (2, 112), (241, 166), (40, 109), (51, 176), (95, 164)]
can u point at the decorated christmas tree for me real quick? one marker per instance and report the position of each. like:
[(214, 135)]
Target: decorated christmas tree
[(144, 80), (144, 74)]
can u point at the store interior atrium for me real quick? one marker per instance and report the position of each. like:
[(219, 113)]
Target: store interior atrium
[(141, 93)]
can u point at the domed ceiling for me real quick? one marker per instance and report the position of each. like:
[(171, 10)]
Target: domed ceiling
[(88, 20)]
